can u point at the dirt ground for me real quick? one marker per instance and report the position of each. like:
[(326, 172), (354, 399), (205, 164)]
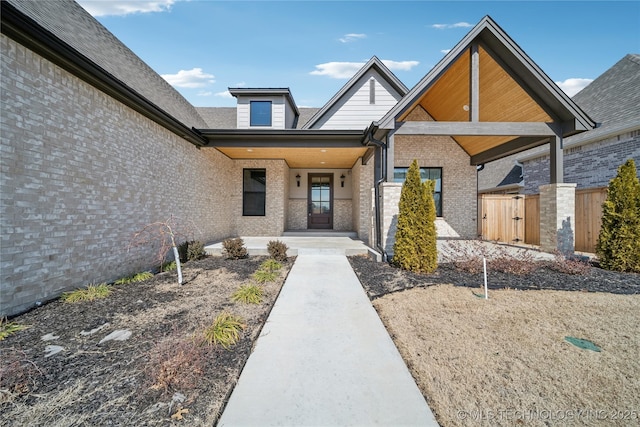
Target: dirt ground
[(505, 361), (501, 361), (145, 380)]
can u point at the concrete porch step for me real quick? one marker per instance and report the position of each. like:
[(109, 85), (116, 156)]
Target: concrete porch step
[(309, 244), (320, 233)]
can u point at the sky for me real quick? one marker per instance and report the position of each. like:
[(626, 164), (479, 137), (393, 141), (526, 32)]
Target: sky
[(313, 47)]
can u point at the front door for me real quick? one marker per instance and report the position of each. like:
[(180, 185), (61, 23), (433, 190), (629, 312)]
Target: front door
[(320, 207)]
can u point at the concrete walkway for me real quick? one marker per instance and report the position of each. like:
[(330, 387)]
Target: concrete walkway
[(324, 358)]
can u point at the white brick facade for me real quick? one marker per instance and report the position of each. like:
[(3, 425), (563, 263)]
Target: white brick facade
[(80, 174)]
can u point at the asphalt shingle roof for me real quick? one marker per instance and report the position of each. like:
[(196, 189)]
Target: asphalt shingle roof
[(68, 21), (226, 117), (612, 99)]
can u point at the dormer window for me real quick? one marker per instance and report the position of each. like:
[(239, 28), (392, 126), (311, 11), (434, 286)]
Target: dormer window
[(260, 113)]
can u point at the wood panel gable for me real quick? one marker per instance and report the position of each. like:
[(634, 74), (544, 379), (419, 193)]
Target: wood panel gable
[(490, 97)]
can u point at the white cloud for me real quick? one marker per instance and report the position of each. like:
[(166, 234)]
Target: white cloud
[(573, 85), (125, 7), (399, 65), (449, 26), (209, 93), (224, 94), (351, 37), (346, 70), (189, 78), (445, 51)]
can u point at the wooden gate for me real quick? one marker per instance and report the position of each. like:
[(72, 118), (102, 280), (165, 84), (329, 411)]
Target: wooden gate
[(502, 217)]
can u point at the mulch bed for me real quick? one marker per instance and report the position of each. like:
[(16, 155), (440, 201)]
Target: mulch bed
[(117, 382), (379, 278)]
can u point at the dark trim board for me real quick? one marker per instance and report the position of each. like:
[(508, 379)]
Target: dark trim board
[(30, 34)]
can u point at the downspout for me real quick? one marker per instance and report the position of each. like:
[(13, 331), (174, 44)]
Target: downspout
[(383, 171)]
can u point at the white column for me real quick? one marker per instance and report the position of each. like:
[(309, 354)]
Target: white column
[(557, 218)]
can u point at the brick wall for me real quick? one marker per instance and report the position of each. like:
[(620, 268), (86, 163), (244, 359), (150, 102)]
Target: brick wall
[(588, 166), (80, 173), (274, 221), (459, 201), (362, 207)]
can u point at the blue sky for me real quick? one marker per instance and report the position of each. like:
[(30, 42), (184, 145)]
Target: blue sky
[(204, 47)]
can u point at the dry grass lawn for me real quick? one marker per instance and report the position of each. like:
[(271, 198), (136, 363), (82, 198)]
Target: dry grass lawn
[(504, 361)]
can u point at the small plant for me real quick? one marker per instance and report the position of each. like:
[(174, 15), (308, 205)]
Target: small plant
[(138, 277), (10, 328), (248, 294), (191, 250), (93, 292), (264, 276), (176, 363), (224, 331), (234, 248), (168, 266), (277, 250), (567, 265), (270, 265), (195, 250), (18, 374)]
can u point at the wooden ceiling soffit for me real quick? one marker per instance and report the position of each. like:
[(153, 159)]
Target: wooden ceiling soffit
[(297, 157), (502, 96)]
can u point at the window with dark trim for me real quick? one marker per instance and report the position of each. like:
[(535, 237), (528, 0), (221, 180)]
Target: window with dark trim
[(260, 113), (254, 191), (434, 174)]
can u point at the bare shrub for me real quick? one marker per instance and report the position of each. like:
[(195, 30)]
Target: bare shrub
[(468, 256), (18, 374), (566, 265), (277, 250), (234, 248), (175, 363)]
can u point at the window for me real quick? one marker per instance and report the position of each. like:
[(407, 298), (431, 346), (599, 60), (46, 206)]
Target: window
[(260, 113), (434, 174), (254, 190)]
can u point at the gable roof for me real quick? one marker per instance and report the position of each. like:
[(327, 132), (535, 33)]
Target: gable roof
[(515, 62), (373, 64), (613, 99), (466, 94), (64, 33)]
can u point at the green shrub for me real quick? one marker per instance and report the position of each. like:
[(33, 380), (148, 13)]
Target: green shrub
[(224, 331), (618, 246), (138, 277), (264, 276), (248, 294), (168, 266), (191, 250), (277, 250), (234, 248), (270, 265), (195, 250), (9, 328), (93, 292), (414, 248)]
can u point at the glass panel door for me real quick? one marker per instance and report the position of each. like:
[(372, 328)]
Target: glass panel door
[(320, 207)]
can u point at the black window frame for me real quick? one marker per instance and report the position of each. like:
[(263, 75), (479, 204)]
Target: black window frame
[(251, 197), (437, 194), (258, 118)]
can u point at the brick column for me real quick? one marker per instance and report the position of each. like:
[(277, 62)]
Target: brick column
[(557, 218), (390, 192)]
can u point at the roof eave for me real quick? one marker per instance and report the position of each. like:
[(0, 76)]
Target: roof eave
[(24, 30)]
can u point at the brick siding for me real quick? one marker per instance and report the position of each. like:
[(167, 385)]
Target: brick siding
[(80, 173), (588, 166)]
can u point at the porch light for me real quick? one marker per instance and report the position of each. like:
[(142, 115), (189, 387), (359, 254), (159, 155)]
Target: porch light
[(342, 180), (298, 179)]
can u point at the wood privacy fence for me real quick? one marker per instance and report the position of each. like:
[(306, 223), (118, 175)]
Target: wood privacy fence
[(515, 218)]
